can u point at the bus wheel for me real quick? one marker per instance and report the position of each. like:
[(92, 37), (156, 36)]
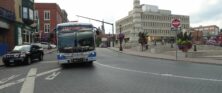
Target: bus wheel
[(90, 62), (63, 65)]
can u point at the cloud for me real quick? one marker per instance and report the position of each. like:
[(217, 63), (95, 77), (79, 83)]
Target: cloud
[(211, 12)]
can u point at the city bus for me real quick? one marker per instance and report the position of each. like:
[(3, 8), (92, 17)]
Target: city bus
[(75, 43)]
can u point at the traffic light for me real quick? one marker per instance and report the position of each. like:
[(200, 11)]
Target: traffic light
[(98, 31)]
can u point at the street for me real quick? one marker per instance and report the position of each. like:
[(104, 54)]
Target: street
[(113, 72)]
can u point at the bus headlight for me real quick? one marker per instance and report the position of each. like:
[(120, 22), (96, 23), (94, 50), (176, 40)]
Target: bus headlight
[(92, 54), (60, 57)]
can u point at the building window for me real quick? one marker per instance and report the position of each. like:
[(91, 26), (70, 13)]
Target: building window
[(46, 27), (36, 13), (25, 12), (36, 31), (47, 15), (19, 36), (31, 14)]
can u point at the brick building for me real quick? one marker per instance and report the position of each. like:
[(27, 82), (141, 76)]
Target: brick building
[(47, 16), (211, 30), (197, 37), (202, 33), (7, 21)]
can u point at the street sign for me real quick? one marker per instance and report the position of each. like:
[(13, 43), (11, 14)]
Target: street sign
[(104, 39), (175, 23)]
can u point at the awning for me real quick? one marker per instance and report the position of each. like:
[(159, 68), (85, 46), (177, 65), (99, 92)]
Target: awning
[(4, 25)]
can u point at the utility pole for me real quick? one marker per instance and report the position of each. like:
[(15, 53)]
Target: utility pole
[(113, 38), (120, 39)]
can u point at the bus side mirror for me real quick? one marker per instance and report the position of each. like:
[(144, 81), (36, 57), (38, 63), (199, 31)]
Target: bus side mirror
[(97, 30)]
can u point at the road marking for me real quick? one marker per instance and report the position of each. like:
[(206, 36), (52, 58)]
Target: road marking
[(23, 79), (8, 79), (52, 76), (47, 72), (12, 83), (158, 74), (29, 83)]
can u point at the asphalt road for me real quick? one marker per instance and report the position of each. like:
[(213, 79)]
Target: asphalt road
[(113, 72)]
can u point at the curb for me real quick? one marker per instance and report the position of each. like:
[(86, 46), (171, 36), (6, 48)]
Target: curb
[(1, 65), (167, 59), (144, 56)]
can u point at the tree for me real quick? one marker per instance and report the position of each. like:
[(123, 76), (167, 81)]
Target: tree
[(184, 41), (142, 39), (98, 41)]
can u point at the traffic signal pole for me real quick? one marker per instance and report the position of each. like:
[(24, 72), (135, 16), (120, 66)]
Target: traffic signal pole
[(113, 38)]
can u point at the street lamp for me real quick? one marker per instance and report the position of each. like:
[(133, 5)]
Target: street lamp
[(121, 37)]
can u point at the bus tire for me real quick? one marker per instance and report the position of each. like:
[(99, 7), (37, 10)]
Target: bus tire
[(90, 62)]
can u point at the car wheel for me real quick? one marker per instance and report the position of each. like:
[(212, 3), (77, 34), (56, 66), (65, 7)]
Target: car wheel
[(41, 57), (7, 65)]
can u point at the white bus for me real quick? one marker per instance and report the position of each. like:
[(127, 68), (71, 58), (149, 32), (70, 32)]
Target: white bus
[(75, 43)]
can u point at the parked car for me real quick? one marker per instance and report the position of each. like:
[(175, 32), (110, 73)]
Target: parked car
[(212, 41), (23, 54)]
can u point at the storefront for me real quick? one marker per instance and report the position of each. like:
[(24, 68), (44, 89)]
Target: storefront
[(3, 31), (7, 31)]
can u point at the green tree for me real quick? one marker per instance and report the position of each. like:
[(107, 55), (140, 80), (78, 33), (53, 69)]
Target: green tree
[(98, 41), (142, 39)]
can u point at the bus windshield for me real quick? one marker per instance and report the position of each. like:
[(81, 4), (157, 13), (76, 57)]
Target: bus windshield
[(76, 41), (66, 40), (85, 39)]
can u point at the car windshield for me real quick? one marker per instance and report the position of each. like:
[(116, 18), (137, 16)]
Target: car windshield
[(22, 48)]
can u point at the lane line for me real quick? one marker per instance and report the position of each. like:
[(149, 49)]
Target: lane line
[(158, 74), (12, 83), (8, 79), (47, 72), (29, 83), (23, 79)]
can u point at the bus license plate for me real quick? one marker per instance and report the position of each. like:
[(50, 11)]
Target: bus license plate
[(11, 61)]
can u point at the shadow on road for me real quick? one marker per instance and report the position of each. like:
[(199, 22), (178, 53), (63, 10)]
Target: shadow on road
[(22, 64), (77, 66)]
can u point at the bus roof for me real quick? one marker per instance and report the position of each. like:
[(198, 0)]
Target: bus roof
[(73, 23)]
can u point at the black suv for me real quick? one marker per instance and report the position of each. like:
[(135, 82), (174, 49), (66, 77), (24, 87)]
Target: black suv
[(23, 54)]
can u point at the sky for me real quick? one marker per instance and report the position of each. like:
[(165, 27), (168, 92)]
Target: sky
[(201, 12)]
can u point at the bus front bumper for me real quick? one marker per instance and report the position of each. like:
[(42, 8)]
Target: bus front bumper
[(77, 60)]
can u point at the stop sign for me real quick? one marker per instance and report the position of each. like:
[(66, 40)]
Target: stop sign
[(176, 23)]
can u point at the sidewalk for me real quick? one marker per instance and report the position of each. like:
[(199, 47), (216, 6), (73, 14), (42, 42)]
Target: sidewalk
[(168, 57), (46, 51)]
